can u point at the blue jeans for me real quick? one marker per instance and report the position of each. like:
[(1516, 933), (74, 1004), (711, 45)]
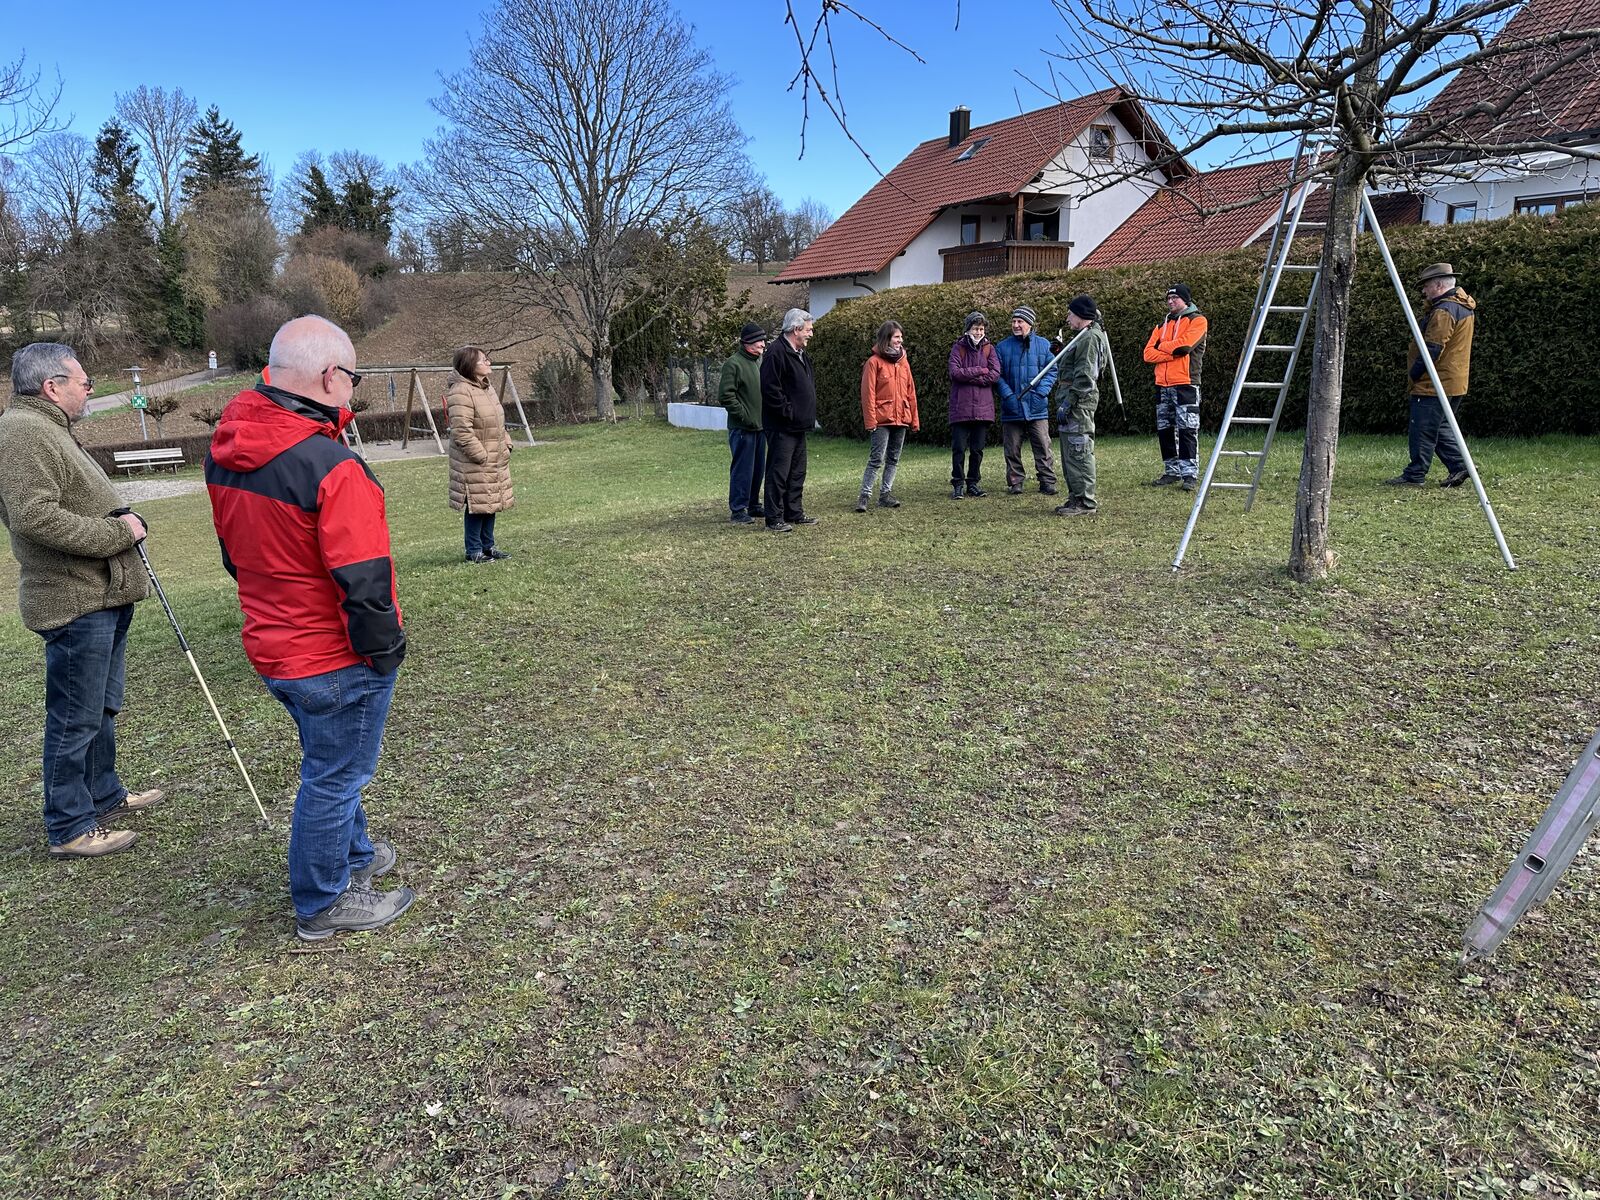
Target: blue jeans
[(1428, 432), (480, 533), (749, 467), (84, 673), (340, 716)]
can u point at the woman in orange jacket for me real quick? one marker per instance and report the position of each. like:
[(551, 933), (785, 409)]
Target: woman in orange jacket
[(888, 409)]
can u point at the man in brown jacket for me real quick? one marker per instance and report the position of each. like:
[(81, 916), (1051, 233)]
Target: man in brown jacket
[(74, 542), (1447, 323)]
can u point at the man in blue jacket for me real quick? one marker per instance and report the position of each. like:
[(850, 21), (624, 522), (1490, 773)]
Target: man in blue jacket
[(1024, 409)]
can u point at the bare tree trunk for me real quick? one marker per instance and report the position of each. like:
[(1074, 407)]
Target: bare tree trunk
[(1311, 556), (600, 370)]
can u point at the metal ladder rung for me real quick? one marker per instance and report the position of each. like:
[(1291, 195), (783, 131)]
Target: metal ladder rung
[(1310, 225), (1284, 348), (1251, 421), (1233, 485), (1239, 453), (1287, 308), (1302, 266), (1279, 384)]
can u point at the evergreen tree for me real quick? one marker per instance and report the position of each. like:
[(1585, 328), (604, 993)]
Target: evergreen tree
[(319, 205), (124, 243), (215, 159), (368, 209)]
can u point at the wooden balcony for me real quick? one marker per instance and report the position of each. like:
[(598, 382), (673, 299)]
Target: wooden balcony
[(982, 259)]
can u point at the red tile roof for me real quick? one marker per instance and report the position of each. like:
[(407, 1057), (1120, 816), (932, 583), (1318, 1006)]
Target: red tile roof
[(1169, 224), (900, 206), (1565, 104)]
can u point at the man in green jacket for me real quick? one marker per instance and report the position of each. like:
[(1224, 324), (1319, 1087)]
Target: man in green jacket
[(80, 577), (1078, 396), (740, 393)]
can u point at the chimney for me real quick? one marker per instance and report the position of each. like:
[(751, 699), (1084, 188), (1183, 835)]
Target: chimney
[(960, 125)]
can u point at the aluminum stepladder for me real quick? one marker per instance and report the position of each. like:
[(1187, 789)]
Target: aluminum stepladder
[(1277, 265), (1561, 832)]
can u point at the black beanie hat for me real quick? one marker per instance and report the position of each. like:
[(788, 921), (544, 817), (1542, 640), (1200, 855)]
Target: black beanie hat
[(1181, 291), (751, 333), (1083, 306)]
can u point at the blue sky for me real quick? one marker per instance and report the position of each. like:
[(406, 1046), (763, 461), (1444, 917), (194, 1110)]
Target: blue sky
[(357, 74)]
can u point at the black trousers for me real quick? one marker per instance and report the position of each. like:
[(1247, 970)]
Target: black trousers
[(967, 440), (786, 475)]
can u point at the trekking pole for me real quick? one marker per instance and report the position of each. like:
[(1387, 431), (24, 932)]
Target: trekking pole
[(183, 644)]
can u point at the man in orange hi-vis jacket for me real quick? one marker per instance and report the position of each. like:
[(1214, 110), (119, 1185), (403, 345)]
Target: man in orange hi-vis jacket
[(1177, 348)]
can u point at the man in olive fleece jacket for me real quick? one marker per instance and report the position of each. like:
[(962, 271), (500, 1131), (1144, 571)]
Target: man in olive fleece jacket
[(74, 542), (739, 391)]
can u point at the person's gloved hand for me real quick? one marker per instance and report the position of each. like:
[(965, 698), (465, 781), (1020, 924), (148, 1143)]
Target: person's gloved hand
[(1181, 351), (1057, 345)]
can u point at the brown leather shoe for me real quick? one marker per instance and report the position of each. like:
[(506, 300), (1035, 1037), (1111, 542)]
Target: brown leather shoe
[(140, 801), (135, 802), (95, 843)]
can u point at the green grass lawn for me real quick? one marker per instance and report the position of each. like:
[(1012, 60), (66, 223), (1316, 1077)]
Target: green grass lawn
[(955, 851)]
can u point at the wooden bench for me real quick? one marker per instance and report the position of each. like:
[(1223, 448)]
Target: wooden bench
[(165, 456)]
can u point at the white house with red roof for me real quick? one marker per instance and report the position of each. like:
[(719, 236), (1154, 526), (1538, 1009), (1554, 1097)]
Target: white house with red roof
[(1015, 195), (1505, 177), (1019, 195)]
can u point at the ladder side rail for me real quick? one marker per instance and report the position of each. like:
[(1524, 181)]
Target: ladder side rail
[(1546, 854), (1433, 376)]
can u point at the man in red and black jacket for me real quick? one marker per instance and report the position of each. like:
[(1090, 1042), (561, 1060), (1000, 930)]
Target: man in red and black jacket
[(301, 521)]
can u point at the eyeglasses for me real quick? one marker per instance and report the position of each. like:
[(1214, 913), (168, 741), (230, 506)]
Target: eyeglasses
[(355, 376), (88, 384)]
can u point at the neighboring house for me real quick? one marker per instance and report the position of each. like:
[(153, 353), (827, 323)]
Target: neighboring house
[(1216, 211), (1001, 198), (1563, 108)]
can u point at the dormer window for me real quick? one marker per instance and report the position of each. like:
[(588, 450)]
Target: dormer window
[(1102, 139), (973, 149)]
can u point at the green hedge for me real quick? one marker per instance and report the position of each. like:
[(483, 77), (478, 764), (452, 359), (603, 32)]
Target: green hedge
[(1534, 278)]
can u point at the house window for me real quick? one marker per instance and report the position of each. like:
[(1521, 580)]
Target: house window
[(1102, 139), (1548, 206), (969, 230), (1041, 227), (1461, 214)]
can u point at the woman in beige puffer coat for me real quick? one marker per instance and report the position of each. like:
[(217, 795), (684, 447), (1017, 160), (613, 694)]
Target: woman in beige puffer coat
[(480, 453)]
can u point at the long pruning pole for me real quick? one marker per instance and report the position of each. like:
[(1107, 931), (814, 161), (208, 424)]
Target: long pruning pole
[(183, 644)]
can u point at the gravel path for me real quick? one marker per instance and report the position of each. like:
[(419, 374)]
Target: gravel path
[(137, 491)]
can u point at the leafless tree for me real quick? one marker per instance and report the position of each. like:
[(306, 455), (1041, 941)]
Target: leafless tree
[(27, 108), (756, 223), (61, 182), (576, 128), (1260, 73), (807, 222), (160, 122)]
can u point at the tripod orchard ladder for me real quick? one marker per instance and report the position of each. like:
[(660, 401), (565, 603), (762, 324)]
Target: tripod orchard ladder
[(1283, 349), (1271, 274)]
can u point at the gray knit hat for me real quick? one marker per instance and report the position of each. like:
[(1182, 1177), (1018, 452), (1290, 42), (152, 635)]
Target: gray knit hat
[(1025, 313), (975, 318)]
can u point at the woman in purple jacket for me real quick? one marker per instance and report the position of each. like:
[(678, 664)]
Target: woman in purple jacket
[(974, 367)]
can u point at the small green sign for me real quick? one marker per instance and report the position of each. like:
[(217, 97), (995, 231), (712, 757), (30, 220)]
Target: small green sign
[(138, 400)]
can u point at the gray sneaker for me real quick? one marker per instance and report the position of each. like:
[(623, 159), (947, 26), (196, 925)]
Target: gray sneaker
[(356, 910), (383, 860)]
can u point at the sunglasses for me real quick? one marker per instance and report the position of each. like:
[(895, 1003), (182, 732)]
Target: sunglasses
[(355, 376)]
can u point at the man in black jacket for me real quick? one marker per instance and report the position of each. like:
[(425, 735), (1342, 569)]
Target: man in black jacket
[(788, 411)]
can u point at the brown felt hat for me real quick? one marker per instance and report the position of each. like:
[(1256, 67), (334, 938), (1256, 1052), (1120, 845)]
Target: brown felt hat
[(1437, 271)]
